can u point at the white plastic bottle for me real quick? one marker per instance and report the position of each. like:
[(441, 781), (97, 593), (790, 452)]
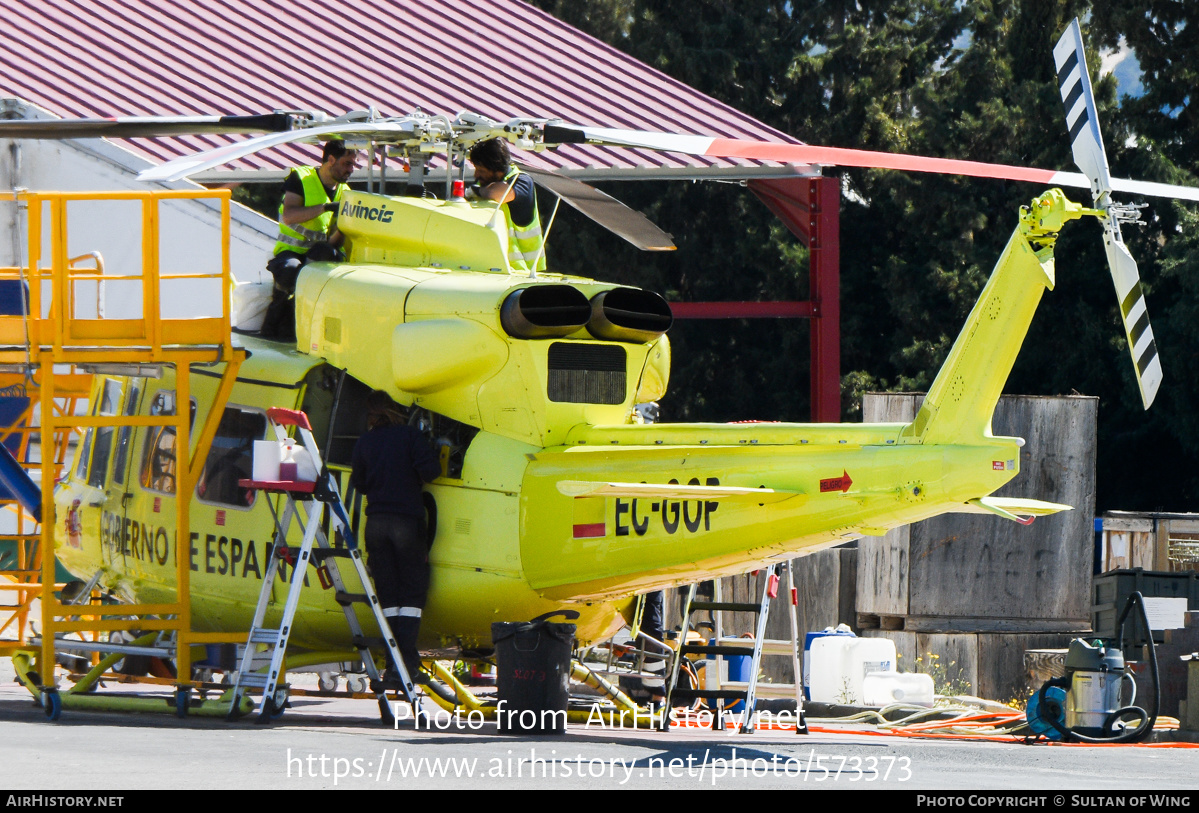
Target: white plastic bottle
[(885, 688)]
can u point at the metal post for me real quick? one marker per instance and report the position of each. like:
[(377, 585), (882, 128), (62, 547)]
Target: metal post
[(183, 490), (824, 262), (45, 373)]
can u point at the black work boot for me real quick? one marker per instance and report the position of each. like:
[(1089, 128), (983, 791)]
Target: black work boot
[(405, 628)]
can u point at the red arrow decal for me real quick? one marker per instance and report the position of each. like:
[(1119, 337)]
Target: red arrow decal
[(841, 483)]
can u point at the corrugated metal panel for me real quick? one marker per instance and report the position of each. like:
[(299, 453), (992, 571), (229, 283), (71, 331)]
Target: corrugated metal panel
[(501, 58)]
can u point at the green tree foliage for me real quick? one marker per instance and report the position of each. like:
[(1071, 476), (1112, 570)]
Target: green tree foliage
[(263, 198), (1163, 442), (939, 78)]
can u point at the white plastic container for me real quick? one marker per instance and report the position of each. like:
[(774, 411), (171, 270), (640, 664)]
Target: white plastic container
[(267, 456), (840, 629), (840, 664), (885, 688), (303, 467)]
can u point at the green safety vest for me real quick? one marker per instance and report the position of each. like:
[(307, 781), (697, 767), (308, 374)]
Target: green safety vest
[(305, 235), (525, 244)]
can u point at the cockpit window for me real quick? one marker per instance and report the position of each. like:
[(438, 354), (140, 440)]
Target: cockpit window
[(109, 404), (125, 433), (231, 458)]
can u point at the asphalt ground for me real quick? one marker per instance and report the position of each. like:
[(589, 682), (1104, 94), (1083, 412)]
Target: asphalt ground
[(341, 742)]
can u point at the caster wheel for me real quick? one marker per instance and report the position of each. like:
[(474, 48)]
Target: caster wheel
[(327, 682), (274, 706), (280, 701), (51, 705), (357, 684)]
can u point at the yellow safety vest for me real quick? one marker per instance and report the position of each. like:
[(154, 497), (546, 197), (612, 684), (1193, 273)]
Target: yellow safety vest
[(525, 244), (304, 236)]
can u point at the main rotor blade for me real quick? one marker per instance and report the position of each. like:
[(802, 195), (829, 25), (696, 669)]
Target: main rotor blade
[(1082, 118), (191, 164), (145, 126), (712, 147), (605, 210)]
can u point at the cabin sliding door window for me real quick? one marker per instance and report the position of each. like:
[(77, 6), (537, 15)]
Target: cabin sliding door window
[(159, 466), (231, 458)]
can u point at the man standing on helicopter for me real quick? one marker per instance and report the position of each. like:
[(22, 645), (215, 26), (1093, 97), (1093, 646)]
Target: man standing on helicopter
[(307, 230), (501, 181)]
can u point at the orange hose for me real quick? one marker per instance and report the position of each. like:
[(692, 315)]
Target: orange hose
[(923, 731)]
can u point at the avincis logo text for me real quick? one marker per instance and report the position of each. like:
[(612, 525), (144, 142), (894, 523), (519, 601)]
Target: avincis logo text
[(379, 213)]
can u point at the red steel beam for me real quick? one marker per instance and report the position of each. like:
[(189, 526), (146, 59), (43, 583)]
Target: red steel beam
[(824, 250)]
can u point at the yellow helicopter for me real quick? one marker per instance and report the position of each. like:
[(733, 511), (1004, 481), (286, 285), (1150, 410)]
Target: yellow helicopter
[(553, 496)]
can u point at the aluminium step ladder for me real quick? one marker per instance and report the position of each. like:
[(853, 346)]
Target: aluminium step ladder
[(316, 496), (723, 647)]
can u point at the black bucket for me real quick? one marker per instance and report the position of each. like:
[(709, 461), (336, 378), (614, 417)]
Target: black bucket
[(532, 675)]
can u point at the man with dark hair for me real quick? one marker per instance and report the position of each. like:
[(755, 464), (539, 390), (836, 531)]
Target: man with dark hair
[(501, 181), (389, 464), (307, 230)]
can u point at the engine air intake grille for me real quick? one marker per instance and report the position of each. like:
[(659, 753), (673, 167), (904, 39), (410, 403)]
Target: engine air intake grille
[(586, 373)]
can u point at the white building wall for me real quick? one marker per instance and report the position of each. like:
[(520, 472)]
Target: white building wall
[(189, 232)]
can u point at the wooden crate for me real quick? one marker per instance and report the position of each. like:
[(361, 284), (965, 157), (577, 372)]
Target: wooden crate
[(1153, 541), (969, 573)]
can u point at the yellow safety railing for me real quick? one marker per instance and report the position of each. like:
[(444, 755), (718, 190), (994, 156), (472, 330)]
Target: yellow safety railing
[(53, 276), (52, 333)]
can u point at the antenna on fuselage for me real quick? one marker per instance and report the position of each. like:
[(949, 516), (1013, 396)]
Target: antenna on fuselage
[(500, 202)]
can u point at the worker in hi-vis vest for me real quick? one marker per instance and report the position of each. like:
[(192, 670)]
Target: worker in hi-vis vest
[(307, 230), (499, 180)]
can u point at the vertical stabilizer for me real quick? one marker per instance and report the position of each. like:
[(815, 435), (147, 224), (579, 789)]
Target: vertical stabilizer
[(961, 400)]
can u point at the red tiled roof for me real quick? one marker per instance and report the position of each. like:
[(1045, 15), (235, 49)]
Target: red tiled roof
[(501, 58)]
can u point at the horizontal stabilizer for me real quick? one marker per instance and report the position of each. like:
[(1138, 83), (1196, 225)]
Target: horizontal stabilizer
[(1015, 509), (671, 491)]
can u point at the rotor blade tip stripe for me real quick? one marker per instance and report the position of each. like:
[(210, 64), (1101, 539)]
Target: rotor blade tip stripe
[(1078, 125), (1139, 328), (1069, 65), (1073, 95), (1147, 357), (1130, 300)]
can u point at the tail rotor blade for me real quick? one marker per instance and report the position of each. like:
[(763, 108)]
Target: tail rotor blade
[(1135, 315), (1086, 142), (1082, 118)]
